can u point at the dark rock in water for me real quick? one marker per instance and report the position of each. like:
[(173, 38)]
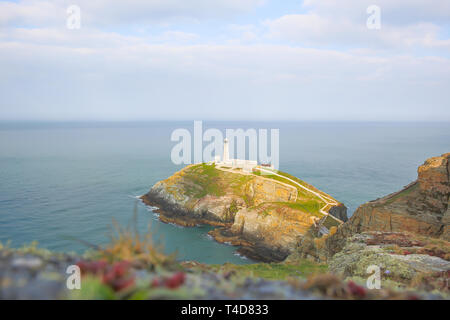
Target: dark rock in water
[(263, 254), (340, 212)]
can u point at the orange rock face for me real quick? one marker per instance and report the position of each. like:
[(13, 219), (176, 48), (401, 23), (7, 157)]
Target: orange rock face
[(434, 175), (422, 207)]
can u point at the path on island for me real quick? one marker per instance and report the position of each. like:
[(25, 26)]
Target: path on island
[(328, 201), (271, 180)]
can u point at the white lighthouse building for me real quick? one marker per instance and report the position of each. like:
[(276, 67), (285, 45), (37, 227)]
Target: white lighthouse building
[(226, 150), (246, 165)]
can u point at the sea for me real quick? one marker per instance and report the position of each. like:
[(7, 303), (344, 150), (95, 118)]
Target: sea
[(63, 184)]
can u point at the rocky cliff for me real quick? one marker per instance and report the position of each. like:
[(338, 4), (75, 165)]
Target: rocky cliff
[(266, 216), (406, 232), (421, 207)]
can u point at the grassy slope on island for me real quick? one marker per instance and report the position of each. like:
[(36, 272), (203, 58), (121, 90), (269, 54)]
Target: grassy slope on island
[(200, 180)]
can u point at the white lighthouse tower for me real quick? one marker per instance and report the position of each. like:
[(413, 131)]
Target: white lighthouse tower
[(226, 151), (241, 164)]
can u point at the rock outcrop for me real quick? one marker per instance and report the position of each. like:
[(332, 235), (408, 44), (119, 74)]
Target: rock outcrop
[(413, 222), (340, 212), (401, 259), (278, 228), (421, 207), (266, 217), (34, 275)]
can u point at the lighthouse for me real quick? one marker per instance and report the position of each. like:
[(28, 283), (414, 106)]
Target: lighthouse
[(239, 164), (226, 151)]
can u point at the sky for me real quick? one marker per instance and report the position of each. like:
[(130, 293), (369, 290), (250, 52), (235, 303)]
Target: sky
[(311, 60)]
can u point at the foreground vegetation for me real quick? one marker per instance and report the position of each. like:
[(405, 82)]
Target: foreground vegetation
[(132, 267), (274, 271)]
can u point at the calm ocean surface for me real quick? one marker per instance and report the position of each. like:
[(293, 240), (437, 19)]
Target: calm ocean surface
[(71, 179)]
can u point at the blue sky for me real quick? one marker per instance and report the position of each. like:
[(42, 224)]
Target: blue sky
[(225, 60)]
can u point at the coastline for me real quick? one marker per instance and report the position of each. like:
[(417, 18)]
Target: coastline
[(250, 249), (171, 214)]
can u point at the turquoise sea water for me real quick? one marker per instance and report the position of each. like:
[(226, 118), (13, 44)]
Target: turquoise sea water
[(64, 180)]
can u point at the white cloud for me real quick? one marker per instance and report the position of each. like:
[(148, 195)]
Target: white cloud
[(62, 37), (394, 12), (179, 37), (313, 29), (241, 34), (132, 79), (32, 12), (340, 71), (405, 25), (118, 12)]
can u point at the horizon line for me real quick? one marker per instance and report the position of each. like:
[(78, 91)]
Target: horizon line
[(50, 121)]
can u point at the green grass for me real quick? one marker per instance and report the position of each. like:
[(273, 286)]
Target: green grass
[(302, 193), (274, 177), (287, 175), (306, 201), (403, 193), (238, 182), (275, 271), (305, 184), (312, 207), (330, 222), (203, 180)]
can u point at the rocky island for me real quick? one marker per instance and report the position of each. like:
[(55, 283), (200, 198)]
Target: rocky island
[(265, 212)]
